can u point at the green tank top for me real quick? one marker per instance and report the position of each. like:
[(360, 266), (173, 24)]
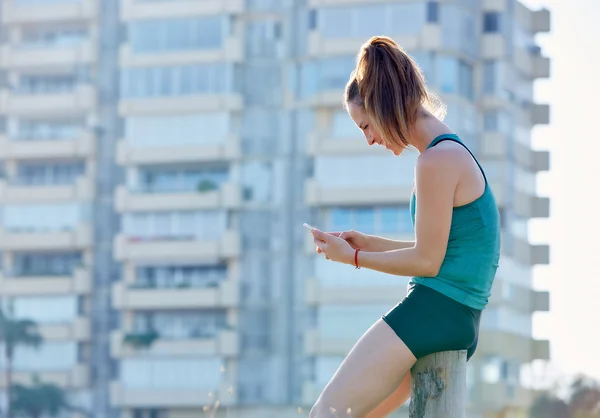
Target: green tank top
[(473, 252)]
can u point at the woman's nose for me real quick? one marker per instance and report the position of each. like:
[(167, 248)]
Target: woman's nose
[(370, 139)]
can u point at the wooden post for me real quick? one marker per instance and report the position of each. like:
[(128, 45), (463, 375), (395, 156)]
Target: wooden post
[(438, 385)]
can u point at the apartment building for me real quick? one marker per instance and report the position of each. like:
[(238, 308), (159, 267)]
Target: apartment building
[(48, 101), (160, 157)]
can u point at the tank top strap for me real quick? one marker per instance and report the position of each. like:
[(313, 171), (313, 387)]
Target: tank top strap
[(456, 138)]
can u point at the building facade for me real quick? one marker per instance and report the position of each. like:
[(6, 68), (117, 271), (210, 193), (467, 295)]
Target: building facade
[(160, 156)]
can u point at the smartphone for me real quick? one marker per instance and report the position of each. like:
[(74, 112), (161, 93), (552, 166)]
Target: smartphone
[(308, 226)]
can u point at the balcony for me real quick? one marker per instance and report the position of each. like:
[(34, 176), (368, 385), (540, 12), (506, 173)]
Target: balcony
[(78, 239), (230, 102), (522, 299), (123, 397), (534, 66), (493, 46), (540, 114), (540, 301), (224, 344), (136, 9), (319, 46), (227, 150), (75, 378), (319, 144), (81, 190), (85, 10), (68, 148), (178, 250), (228, 196), (513, 346), (525, 252), (22, 57), (224, 295), (531, 159), (231, 51), (316, 344), (79, 330), (316, 294), (317, 195), (529, 206), (540, 21), (81, 100), (79, 283)]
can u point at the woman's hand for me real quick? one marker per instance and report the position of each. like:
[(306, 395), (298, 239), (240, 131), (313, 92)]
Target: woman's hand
[(357, 240), (333, 247)]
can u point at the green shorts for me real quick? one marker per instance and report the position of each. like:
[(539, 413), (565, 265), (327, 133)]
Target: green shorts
[(429, 322)]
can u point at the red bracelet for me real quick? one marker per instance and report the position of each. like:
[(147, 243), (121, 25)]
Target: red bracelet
[(356, 258)]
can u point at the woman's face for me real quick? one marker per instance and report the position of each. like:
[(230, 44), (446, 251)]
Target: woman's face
[(362, 120)]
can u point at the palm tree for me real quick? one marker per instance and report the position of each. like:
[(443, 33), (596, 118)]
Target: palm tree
[(13, 333), (583, 402), (549, 406), (38, 399)]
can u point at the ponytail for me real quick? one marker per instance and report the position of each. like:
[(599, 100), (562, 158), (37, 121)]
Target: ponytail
[(390, 86)]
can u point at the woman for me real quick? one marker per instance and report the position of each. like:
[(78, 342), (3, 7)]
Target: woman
[(453, 259)]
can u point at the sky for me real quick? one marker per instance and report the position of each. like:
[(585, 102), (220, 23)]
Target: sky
[(573, 184)]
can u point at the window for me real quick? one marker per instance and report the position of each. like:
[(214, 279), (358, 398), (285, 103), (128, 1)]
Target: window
[(50, 356), (459, 29), (44, 310), (45, 2), (177, 130), (348, 321), (325, 74), (499, 121), (33, 174), (36, 130), (507, 320), (454, 76), (365, 21), (465, 80), (490, 77), (181, 225), (46, 84), (371, 220), (325, 368), (171, 374), (432, 11), (169, 277), (181, 324), (343, 127), (183, 80), (491, 22), (153, 180), (312, 19), (44, 217), (45, 264), (53, 38), (178, 34), (376, 171)]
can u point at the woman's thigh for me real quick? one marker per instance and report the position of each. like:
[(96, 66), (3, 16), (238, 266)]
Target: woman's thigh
[(372, 370)]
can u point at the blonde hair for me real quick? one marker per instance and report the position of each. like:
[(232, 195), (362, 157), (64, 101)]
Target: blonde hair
[(391, 87)]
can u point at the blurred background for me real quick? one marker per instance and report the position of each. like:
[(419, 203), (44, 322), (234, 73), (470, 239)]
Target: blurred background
[(158, 159)]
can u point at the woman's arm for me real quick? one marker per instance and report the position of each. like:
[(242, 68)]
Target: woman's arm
[(437, 178), (436, 181), (381, 244)]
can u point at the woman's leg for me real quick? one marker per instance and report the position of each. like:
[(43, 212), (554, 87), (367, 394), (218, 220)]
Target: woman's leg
[(394, 401), (369, 374)]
